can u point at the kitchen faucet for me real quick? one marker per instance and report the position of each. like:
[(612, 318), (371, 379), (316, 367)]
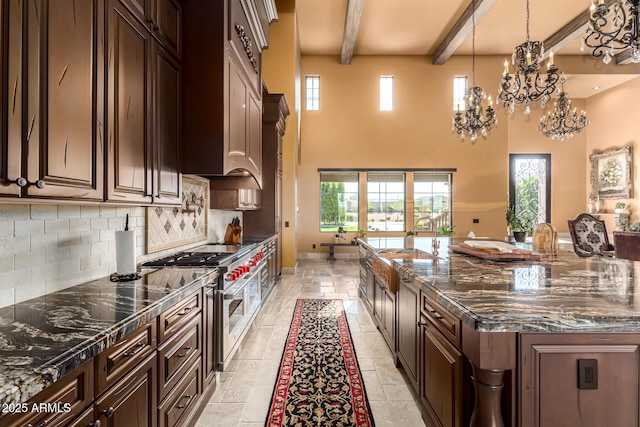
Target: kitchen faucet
[(435, 244)]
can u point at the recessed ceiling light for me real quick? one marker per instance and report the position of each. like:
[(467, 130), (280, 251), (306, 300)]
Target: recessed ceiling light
[(596, 88)]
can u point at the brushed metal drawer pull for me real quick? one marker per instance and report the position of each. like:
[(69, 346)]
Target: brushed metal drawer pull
[(435, 314), (94, 424), (421, 324), (137, 350), (108, 412), (184, 405), (185, 311), (188, 349)]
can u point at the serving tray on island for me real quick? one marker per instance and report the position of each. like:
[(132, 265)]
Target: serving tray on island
[(495, 251)]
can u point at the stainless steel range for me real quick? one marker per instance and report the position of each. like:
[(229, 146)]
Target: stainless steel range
[(239, 294)]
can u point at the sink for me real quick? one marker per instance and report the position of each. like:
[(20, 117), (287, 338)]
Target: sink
[(407, 255)]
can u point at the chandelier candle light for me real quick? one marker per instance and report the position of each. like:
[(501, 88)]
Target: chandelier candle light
[(528, 84), (474, 120), (619, 30), (562, 122)]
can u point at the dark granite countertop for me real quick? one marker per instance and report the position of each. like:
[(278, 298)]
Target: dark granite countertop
[(558, 293), (47, 337)]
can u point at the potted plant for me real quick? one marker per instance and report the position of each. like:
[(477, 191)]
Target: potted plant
[(620, 206), (520, 226), (340, 234), (360, 233), (446, 230)]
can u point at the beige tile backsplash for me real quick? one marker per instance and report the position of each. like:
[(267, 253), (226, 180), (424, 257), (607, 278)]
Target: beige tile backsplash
[(45, 248)]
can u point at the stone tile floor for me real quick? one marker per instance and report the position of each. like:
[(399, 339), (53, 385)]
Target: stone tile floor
[(244, 390)]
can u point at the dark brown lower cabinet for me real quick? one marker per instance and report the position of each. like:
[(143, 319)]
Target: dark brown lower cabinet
[(408, 329), (441, 377), (551, 393), (86, 419), (179, 407), (132, 401), (75, 389), (384, 312)]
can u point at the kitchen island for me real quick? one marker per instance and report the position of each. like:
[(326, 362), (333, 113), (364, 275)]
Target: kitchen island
[(553, 341)]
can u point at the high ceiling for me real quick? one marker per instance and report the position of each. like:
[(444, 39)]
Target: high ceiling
[(443, 28)]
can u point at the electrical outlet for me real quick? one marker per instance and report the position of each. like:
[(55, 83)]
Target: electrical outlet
[(314, 246), (476, 220), (587, 374)]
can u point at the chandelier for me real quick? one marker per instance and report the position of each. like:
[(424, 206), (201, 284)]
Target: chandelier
[(562, 122), (608, 32), (528, 84), (474, 120)]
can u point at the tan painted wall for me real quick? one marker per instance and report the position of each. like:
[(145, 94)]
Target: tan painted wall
[(281, 74), (568, 189), (615, 125), (350, 132)]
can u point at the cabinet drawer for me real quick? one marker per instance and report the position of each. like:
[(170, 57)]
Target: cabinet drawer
[(179, 406), (174, 319), (121, 358), (175, 355), (67, 397), (442, 319)]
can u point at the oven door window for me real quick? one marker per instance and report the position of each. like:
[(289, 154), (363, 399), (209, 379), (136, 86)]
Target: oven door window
[(234, 307), (254, 291)]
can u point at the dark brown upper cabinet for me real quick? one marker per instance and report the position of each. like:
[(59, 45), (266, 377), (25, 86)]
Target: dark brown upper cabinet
[(11, 98), (143, 100), (163, 18), (58, 101), (222, 88)]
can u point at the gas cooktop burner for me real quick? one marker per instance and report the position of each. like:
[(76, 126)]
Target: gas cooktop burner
[(190, 259)]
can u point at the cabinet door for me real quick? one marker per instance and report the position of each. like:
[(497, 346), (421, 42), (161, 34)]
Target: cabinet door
[(370, 288), (236, 141), (378, 301), (128, 46), (388, 326), (167, 185), (408, 329), (132, 401), (10, 97), (167, 24), (65, 113), (441, 377), (141, 9), (254, 137)]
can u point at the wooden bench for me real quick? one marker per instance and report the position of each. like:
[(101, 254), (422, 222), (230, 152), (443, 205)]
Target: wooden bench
[(332, 246)]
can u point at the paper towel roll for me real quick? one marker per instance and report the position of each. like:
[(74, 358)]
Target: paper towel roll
[(126, 252)]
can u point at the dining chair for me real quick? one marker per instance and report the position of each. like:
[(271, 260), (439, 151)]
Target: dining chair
[(589, 235), (545, 238)]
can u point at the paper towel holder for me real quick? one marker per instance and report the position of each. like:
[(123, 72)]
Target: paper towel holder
[(116, 277)]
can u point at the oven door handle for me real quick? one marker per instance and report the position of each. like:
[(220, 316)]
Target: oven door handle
[(234, 290)]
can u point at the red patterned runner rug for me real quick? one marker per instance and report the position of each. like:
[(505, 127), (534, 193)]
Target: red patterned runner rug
[(319, 382)]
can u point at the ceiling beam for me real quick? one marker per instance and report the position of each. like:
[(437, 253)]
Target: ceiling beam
[(571, 31), (461, 29), (624, 57), (351, 26)]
